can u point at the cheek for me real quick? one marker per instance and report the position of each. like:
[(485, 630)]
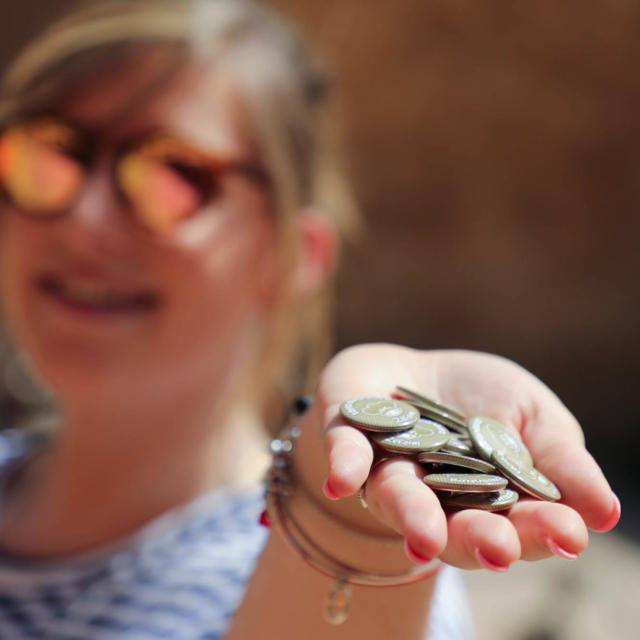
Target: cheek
[(237, 259), (17, 247), (20, 249), (223, 285)]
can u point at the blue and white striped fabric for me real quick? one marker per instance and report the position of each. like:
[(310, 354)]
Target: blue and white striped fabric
[(181, 578)]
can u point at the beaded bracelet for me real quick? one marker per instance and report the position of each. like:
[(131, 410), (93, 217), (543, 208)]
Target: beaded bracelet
[(280, 487)]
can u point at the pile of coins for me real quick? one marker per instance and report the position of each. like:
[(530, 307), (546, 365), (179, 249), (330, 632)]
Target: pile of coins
[(470, 461)]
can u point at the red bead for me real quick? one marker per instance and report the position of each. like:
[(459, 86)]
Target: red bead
[(264, 519)]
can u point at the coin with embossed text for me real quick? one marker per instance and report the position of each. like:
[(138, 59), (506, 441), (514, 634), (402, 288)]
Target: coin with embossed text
[(443, 418), (457, 460), (446, 409), (494, 501), (489, 435), (379, 414), (529, 479), (465, 482), (457, 443), (425, 435)]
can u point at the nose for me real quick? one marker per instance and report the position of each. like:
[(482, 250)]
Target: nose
[(98, 217)]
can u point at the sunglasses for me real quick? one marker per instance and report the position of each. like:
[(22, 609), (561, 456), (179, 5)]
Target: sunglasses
[(45, 162)]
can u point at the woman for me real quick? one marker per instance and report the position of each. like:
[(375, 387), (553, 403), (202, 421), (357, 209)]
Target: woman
[(167, 182)]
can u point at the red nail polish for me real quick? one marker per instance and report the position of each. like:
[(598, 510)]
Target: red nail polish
[(328, 491), (264, 519), (487, 564), (613, 518), (561, 552), (414, 556)]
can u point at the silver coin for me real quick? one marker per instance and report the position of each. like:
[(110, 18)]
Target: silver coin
[(489, 435), (526, 478), (439, 416), (494, 501), (465, 482), (457, 443), (446, 409), (379, 414), (425, 435), (457, 460)]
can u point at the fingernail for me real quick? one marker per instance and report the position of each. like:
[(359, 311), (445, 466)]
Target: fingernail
[(555, 548), (414, 556), (328, 491), (487, 564), (613, 518)]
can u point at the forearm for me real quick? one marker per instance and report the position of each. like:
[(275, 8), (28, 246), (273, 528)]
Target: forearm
[(285, 599), (286, 596)]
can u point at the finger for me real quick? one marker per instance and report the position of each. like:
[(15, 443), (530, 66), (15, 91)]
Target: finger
[(547, 528), (581, 483), (480, 539), (397, 495), (349, 456), (556, 442), (552, 434)]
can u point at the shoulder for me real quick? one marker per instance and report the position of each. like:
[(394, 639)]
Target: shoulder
[(182, 576), (218, 536)]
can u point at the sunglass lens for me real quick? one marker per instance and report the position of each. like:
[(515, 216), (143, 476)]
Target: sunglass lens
[(163, 184), (38, 171)]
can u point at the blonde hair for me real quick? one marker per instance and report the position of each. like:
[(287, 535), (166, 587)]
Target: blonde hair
[(285, 94)]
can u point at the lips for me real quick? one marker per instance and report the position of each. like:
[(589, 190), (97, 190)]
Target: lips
[(95, 296)]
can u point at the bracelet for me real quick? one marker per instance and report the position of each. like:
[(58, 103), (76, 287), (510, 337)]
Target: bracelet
[(280, 488)]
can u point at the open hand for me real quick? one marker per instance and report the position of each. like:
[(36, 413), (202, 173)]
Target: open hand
[(479, 384)]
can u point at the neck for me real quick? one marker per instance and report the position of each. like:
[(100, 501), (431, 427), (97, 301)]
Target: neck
[(112, 470)]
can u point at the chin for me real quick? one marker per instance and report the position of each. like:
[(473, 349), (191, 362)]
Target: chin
[(76, 373)]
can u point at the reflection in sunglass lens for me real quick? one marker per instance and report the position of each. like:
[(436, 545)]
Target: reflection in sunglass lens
[(39, 169), (164, 183)]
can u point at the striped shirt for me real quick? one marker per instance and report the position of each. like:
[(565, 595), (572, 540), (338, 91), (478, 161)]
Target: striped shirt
[(180, 578)]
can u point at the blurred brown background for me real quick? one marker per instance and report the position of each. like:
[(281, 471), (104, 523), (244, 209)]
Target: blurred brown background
[(495, 150)]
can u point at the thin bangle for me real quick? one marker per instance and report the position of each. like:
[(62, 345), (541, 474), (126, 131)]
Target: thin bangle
[(280, 487)]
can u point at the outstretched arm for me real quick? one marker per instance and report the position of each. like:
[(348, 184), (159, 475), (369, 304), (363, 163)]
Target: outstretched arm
[(285, 596)]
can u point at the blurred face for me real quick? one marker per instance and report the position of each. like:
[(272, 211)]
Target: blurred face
[(101, 304)]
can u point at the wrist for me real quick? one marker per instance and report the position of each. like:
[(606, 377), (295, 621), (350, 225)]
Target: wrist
[(326, 543), (311, 473)]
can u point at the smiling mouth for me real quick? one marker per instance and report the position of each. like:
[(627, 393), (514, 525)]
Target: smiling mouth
[(93, 297)]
